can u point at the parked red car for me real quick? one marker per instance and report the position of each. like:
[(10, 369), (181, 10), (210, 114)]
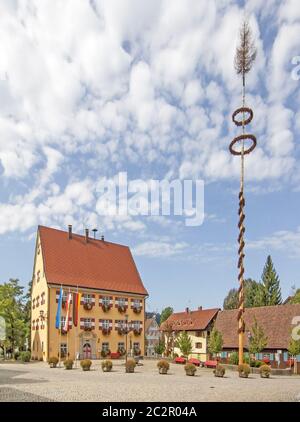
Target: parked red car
[(180, 360), (211, 364), (194, 361)]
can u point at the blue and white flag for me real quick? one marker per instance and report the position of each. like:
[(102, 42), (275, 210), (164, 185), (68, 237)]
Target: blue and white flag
[(58, 312)]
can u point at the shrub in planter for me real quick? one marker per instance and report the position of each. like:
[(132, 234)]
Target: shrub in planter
[(136, 352), (219, 371), (86, 364), (130, 365), (53, 361), (258, 363), (107, 365), (244, 370), (163, 366), (190, 369), (25, 356), (68, 363), (265, 371)]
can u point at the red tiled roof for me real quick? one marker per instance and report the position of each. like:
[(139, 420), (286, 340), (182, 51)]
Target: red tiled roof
[(97, 264), (276, 321), (192, 320)]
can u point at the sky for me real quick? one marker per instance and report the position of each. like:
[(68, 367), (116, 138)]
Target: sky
[(89, 89)]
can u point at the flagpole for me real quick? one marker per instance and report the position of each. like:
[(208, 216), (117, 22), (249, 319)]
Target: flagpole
[(67, 318), (75, 331)]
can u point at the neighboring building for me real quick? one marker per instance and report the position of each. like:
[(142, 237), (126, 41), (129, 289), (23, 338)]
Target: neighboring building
[(105, 275), (152, 334), (198, 324), (277, 323)]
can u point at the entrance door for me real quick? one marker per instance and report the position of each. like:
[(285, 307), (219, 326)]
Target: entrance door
[(87, 351)]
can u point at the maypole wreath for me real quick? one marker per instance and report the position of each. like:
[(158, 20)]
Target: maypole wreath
[(244, 58)]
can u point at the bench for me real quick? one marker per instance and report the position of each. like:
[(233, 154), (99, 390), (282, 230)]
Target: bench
[(210, 364), (194, 361), (180, 360), (115, 355)]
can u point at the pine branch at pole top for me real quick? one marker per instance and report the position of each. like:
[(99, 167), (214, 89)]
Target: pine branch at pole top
[(244, 58)]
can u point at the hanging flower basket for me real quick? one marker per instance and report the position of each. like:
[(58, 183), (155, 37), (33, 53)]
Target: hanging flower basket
[(122, 331), (137, 331), (106, 331), (137, 309), (105, 307), (87, 328), (87, 306), (122, 308)]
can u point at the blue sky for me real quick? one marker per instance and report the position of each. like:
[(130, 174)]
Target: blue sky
[(89, 89)]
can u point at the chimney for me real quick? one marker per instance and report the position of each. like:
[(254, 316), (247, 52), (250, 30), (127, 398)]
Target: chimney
[(102, 238), (70, 231), (187, 310), (86, 235), (199, 308)]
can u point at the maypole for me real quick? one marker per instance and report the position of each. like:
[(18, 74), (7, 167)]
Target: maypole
[(244, 58)]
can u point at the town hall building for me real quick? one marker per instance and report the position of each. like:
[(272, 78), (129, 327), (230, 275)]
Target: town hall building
[(111, 311)]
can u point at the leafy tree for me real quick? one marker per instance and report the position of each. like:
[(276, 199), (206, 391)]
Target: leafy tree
[(294, 347), (160, 347), (258, 340), (184, 343), (12, 310), (296, 297), (215, 342), (165, 313), (252, 297), (270, 292)]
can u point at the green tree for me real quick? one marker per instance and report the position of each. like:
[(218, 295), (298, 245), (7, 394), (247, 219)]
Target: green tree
[(258, 340), (296, 297), (160, 347), (165, 313), (184, 343), (294, 347), (215, 342), (270, 292), (12, 309), (252, 296)]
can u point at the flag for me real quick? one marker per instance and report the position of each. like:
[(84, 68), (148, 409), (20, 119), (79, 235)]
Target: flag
[(58, 312), (66, 326), (75, 309)]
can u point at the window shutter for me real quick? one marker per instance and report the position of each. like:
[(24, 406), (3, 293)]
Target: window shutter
[(93, 323), (81, 322), (93, 300), (100, 300), (82, 299), (57, 295)]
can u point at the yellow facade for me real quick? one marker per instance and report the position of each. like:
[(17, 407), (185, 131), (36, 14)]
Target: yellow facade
[(198, 338), (47, 341)]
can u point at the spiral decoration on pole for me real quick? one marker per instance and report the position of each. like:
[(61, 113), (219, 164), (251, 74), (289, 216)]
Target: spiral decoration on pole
[(242, 145)]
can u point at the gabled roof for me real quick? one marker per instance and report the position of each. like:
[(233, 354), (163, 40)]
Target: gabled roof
[(96, 264), (276, 321), (149, 322), (190, 320)]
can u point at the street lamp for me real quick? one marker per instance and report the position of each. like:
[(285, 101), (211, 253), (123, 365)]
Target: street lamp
[(126, 328)]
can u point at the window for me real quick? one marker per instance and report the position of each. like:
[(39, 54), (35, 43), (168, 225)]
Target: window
[(198, 345), (33, 303), (43, 298), (105, 347), (105, 324), (121, 301), (33, 324), (122, 323), (121, 345), (198, 333), (37, 324), (87, 298), (106, 300), (136, 325), (136, 303), (136, 346), (64, 296), (63, 349), (87, 323), (37, 301), (38, 276), (62, 321), (33, 345)]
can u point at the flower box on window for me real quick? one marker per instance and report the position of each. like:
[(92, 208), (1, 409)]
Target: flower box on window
[(63, 332), (122, 330), (105, 353), (137, 331), (87, 327), (137, 309), (106, 330), (121, 308), (87, 305)]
